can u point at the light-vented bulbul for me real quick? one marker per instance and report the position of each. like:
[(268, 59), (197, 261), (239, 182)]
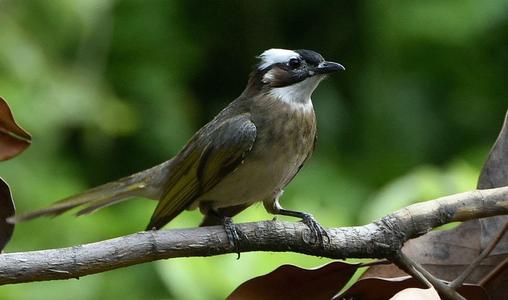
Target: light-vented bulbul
[(248, 153)]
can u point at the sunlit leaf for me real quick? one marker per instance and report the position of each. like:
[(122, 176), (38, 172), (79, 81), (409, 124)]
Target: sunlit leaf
[(417, 294)]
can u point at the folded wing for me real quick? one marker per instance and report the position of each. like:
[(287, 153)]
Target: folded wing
[(212, 154)]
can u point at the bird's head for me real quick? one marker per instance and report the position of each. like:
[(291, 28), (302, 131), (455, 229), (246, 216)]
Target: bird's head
[(292, 75)]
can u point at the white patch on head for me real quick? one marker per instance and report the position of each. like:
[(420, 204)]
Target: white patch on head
[(274, 55), (298, 94)]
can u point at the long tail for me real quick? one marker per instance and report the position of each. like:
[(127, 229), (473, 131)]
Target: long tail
[(148, 184)]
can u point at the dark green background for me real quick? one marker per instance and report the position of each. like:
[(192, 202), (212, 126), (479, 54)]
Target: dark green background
[(108, 88)]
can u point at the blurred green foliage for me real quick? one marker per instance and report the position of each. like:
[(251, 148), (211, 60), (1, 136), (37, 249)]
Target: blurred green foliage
[(108, 88)]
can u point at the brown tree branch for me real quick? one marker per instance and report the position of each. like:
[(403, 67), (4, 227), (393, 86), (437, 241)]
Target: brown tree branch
[(380, 239)]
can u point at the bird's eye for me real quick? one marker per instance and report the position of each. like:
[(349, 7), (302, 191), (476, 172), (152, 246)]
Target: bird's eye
[(294, 63)]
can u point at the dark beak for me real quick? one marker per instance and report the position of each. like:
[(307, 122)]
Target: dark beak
[(328, 67)]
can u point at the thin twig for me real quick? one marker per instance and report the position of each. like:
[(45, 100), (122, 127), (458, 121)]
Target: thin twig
[(494, 273), (485, 252), (418, 272), (403, 262)]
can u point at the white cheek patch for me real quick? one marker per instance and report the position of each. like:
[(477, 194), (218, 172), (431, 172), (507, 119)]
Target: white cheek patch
[(274, 55)]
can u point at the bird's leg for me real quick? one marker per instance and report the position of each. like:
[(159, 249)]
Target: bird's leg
[(317, 231), (229, 227), (232, 233)]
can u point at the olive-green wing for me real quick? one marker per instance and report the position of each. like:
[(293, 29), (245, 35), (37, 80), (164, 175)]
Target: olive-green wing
[(215, 152)]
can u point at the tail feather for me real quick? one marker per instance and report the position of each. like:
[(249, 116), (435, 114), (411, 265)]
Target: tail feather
[(146, 184), (106, 194), (96, 205)]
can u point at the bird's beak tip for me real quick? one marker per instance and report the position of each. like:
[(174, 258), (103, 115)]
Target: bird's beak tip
[(327, 67)]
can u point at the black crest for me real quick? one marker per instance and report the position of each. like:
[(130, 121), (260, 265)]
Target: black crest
[(311, 57)]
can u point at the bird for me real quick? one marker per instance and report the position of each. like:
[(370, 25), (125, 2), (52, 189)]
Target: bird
[(249, 152)]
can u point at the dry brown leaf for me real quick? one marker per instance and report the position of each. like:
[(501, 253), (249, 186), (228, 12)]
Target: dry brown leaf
[(6, 210), (376, 288), (292, 282), (495, 174), (13, 138), (13, 141)]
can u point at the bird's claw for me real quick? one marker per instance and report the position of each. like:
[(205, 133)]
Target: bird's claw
[(316, 230), (232, 234)]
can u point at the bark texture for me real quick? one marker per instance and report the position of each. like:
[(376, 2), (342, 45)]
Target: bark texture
[(380, 239)]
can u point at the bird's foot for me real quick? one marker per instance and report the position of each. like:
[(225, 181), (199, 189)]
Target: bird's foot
[(232, 234), (316, 230)]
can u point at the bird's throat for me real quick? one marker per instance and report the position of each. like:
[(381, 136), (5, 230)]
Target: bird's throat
[(297, 94)]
